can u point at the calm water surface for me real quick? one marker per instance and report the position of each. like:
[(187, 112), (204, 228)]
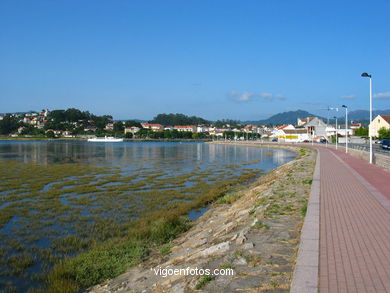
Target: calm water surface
[(131, 155)]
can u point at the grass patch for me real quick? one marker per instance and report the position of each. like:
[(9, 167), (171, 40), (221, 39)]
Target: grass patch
[(228, 198), (304, 208), (165, 249), (202, 282), (260, 225)]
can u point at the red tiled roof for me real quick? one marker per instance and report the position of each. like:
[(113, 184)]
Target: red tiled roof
[(386, 118), (295, 131), (282, 126), (185, 126)]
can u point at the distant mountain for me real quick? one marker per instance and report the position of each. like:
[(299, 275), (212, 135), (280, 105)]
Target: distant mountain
[(285, 118), (361, 115)]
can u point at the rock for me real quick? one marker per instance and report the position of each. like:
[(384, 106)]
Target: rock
[(248, 245), (240, 262), (241, 237), (178, 288), (216, 249)]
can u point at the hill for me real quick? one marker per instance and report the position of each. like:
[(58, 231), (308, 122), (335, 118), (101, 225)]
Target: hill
[(178, 119), (289, 117), (361, 115)]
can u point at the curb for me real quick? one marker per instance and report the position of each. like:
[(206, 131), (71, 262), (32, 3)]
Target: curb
[(305, 276)]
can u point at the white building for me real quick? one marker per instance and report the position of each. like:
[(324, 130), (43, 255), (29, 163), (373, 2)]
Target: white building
[(294, 135), (279, 130), (185, 128), (132, 129)]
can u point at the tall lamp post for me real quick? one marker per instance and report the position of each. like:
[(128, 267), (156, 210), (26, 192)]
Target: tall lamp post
[(346, 128), (336, 131), (365, 74)]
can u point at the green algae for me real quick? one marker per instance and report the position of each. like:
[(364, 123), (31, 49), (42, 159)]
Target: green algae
[(79, 217)]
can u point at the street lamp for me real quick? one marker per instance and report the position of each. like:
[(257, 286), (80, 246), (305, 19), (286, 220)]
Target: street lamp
[(336, 131), (346, 128), (337, 110), (365, 74)]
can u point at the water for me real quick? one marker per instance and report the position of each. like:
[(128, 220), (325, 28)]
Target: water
[(49, 202), (128, 154)]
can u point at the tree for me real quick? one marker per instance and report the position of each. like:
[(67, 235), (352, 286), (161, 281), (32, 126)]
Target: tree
[(119, 127), (223, 122), (101, 121), (361, 131), (9, 124), (383, 133), (131, 123), (178, 119)]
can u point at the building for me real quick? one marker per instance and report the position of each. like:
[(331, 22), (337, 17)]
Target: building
[(302, 121), (202, 129), (380, 121), (279, 130), (355, 126), (314, 125), (185, 128), (155, 127), (294, 135), (109, 126), (132, 129)]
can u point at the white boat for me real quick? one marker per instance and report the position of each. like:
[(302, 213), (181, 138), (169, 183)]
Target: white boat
[(105, 139)]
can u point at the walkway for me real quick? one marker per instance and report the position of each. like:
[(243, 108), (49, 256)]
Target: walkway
[(354, 246), (350, 208)]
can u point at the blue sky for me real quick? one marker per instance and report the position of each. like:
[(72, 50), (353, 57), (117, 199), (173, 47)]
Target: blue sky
[(215, 59)]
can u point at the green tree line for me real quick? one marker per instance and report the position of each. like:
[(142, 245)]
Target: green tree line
[(178, 119)]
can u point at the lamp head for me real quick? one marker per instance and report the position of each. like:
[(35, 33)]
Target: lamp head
[(344, 106), (365, 74)]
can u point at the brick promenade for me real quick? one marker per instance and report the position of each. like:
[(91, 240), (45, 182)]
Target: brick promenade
[(354, 246)]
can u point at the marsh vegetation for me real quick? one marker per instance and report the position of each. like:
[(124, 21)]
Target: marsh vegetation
[(69, 225)]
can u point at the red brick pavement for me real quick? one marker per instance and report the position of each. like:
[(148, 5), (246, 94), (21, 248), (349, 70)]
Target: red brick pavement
[(376, 176), (354, 230)]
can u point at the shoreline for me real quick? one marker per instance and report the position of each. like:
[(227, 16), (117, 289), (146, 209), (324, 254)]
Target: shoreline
[(75, 139), (255, 233)]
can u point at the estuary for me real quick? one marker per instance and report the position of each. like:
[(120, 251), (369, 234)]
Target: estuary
[(60, 199)]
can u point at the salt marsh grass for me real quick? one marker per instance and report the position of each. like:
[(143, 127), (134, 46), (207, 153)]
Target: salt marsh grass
[(85, 223)]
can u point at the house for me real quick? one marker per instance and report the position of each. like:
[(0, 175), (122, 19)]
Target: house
[(202, 129), (185, 128), (132, 129), (302, 121), (20, 129), (155, 127), (380, 121), (109, 126), (90, 128), (294, 135), (250, 129), (355, 126), (314, 125), (279, 130)]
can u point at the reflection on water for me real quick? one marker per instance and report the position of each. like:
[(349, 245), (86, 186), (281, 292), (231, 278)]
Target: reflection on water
[(133, 155)]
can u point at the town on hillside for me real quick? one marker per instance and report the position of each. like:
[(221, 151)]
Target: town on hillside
[(73, 123)]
